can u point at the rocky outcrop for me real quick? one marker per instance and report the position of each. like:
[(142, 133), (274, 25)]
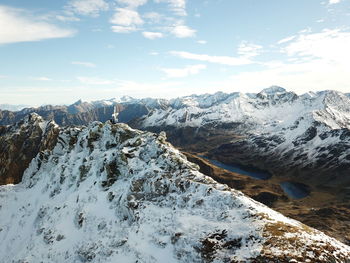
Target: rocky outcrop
[(21, 142), (108, 193)]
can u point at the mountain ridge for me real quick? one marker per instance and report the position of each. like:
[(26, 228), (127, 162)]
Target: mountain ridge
[(308, 130), (107, 192)]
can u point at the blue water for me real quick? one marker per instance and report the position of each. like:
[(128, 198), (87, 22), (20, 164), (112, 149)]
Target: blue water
[(295, 190), (292, 189), (260, 175)]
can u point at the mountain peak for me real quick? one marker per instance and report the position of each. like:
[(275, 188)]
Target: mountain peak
[(124, 98), (78, 102), (273, 90), (33, 117)]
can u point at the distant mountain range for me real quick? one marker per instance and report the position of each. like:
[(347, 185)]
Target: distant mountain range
[(11, 107), (305, 136), (82, 113), (274, 130)]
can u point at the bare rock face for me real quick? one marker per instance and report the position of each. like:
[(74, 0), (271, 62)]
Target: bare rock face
[(21, 142)]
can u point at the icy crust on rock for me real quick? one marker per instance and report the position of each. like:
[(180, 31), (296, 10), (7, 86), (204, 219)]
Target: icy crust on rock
[(108, 193)]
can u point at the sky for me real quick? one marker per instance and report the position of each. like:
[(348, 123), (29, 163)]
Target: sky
[(57, 52)]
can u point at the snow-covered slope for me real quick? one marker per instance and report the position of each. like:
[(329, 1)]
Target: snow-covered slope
[(274, 129), (108, 193), (84, 106), (266, 109)]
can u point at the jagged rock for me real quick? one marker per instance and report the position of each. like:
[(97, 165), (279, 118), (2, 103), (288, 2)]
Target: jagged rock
[(162, 210), (21, 142), (82, 113)]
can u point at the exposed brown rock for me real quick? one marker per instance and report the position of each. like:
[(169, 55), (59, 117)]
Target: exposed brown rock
[(21, 142)]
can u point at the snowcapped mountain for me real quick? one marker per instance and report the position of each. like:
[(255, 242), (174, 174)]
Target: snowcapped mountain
[(274, 130), (108, 193), (82, 112), (270, 106)]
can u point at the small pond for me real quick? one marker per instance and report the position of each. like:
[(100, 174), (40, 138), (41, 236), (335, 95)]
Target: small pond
[(254, 173), (295, 190), (292, 189)]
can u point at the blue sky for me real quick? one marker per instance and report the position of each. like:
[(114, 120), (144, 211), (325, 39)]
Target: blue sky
[(54, 52)]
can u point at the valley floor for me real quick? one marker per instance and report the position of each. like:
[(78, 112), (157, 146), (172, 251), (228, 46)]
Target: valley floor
[(323, 209)]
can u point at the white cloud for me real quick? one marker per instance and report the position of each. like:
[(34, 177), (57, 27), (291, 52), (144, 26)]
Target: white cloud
[(88, 7), (154, 17), (331, 2), (286, 39), (85, 64), (95, 81), (152, 35), (154, 53), (124, 29), (132, 3), (305, 30), (41, 78), (126, 20), (202, 42), (183, 72), (16, 26), (300, 77), (177, 6), (249, 50), (224, 60), (126, 17), (316, 61), (182, 31), (67, 18), (331, 46)]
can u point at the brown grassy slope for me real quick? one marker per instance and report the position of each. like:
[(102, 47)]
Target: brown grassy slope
[(323, 210)]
